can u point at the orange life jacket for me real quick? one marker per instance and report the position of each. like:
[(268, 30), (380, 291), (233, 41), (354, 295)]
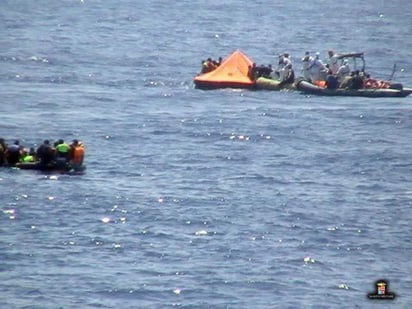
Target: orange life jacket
[(78, 154), (320, 83)]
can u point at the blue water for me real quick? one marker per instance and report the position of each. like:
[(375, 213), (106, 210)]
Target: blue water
[(202, 199)]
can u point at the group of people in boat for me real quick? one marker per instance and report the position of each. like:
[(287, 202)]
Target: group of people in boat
[(284, 71), (333, 74), (59, 154), (256, 71), (210, 65)]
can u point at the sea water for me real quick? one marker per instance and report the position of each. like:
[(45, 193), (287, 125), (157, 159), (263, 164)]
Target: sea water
[(203, 199)]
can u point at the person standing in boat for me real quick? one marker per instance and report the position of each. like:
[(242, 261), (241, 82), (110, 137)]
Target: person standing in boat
[(333, 61), (317, 69), (285, 70), (306, 62)]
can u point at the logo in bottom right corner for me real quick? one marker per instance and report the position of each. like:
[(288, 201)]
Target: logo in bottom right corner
[(381, 291)]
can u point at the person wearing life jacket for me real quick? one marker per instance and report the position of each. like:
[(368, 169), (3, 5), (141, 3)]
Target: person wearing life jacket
[(28, 156), (76, 153), (62, 149), (370, 82), (203, 67), (208, 66)]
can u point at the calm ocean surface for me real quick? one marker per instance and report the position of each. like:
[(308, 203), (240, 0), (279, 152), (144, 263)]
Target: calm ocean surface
[(203, 199)]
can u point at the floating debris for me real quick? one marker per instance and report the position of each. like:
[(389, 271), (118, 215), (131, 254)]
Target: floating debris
[(201, 233), (106, 220), (308, 260), (177, 291)]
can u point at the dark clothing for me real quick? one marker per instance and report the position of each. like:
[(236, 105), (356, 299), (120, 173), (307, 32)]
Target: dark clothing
[(2, 154), (264, 71), (252, 72), (290, 79), (45, 154), (356, 82), (13, 154), (332, 82)]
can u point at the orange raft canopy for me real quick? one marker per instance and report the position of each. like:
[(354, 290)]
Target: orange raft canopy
[(231, 73)]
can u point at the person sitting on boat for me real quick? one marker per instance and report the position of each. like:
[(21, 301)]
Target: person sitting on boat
[(29, 156), (285, 70), (374, 83), (265, 71), (343, 71), (45, 153), (62, 153), (370, 82), (306, 62), (333, 61), (3, 148), (331, 81), (13, 153), (356, 81), (317, 69), (208, 66), (76, 153)]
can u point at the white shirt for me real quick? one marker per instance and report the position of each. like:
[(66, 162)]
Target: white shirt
[(316, 65), (333, 64), (306, 62), (343, 70), (285, 63)]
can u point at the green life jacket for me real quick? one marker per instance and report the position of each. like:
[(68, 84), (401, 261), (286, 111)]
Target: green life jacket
[(28, 158), (63, 148)]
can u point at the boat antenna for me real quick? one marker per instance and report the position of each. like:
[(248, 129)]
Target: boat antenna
[(393, 72)]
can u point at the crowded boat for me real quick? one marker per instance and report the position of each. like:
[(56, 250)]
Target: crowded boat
[(344, 75), (58, 156)]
